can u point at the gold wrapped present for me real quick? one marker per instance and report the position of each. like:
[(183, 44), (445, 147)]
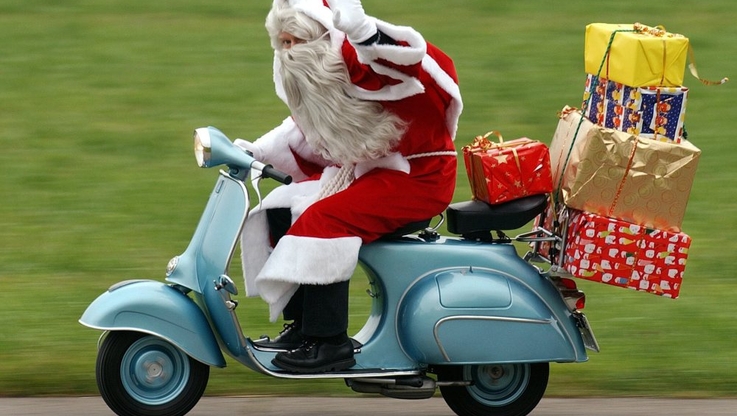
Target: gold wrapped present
[(619, 175), (568, 141), (635, 54)]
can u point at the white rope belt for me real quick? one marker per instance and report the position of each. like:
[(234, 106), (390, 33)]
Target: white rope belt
[(430, 154)]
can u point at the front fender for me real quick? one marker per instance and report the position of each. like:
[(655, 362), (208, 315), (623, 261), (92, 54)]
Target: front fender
[(158, 309)]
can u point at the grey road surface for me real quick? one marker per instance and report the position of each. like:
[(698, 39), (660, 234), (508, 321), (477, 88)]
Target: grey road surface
[(363, 406)]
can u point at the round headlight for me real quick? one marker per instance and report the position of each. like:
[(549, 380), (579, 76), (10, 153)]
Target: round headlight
[(202, 150), (172, 265)]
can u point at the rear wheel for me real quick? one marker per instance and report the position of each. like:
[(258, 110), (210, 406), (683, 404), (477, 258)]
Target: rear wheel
[(495, 389), (140, 374)]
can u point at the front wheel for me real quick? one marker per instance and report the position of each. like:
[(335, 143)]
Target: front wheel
[(495, 389), (140, 374)]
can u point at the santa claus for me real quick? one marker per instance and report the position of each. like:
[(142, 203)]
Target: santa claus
[(374, 110)]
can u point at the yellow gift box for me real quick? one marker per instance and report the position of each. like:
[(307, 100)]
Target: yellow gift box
[(635, 54), (619, 175)]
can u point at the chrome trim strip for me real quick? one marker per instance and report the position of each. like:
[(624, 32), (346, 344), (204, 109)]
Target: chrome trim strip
[(436, 328)]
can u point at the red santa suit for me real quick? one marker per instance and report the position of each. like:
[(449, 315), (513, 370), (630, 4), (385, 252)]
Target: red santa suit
[(414, 80)]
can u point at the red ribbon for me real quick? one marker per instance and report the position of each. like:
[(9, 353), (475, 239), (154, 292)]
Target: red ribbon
[(483, 144)]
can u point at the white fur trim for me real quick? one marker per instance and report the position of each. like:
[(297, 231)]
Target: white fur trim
[(305, 260), (255, 248), (449, 85), (393, 161), (415, 52), (409, 54), (407, 87), (401, 55), (255, 241)]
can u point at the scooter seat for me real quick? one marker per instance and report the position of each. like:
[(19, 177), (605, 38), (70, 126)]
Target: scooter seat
[(474, 217), (407, 229)]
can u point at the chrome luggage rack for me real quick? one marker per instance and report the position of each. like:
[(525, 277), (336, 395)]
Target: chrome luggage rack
[(557, 241)]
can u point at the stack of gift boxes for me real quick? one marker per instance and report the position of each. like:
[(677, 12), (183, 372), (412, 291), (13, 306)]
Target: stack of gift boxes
[(622, 166)]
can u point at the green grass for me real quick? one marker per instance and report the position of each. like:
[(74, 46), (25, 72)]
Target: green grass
[(98, 183)]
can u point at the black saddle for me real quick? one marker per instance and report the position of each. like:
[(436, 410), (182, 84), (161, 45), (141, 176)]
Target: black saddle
[(477, 218), (410, 228)]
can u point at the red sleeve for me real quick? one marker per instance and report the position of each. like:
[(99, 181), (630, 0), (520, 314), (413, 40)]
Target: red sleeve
[(363, 76)]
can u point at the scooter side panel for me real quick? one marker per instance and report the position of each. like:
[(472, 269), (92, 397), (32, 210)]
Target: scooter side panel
[(158, 309), (511, 326), (514, 309)]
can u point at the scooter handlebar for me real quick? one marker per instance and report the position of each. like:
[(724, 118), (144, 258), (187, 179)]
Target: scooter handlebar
[(213, 148), (268, 171)]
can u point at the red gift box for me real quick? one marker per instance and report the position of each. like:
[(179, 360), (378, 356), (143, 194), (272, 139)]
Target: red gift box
[(623, 254), (504, 171)]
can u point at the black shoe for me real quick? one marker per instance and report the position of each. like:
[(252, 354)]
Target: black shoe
[(289, 338), (317, 356)]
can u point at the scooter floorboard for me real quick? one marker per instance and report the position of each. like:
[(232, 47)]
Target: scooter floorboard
[(262, 361)]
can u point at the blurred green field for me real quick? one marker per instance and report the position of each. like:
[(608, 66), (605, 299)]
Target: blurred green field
[(98, 182)]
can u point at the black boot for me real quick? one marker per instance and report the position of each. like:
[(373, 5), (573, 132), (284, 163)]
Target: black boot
[(288, 339), (318, 355)]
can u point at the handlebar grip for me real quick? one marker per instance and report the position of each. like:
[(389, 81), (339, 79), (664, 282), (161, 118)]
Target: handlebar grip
[(269, 172)]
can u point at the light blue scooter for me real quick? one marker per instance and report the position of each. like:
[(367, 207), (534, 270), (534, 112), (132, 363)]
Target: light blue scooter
[(464, 314)]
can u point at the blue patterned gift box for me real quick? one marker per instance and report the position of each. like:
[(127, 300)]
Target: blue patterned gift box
[(663, 111), (652, 112)]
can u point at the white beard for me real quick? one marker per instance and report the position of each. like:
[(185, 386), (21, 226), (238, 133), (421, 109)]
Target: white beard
[(341, 128)]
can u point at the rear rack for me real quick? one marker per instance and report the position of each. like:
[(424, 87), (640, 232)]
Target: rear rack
[(557, 243)]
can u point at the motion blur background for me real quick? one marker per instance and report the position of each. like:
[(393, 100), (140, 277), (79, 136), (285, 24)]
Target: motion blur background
[(98, 100)]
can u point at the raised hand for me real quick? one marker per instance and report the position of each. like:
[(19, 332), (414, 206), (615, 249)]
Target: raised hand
[(350, 18)]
